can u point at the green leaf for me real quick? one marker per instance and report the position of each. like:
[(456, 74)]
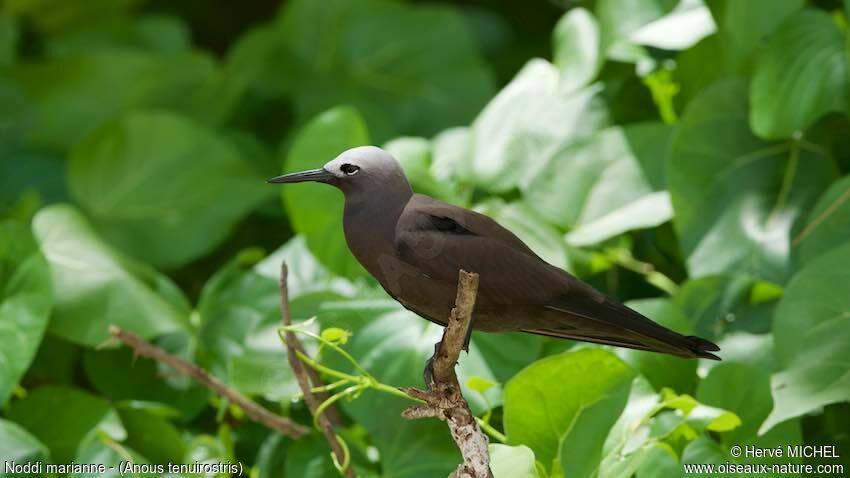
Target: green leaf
[(742, 389), (306, 276), (595, 177), (683, 27), (743, 27), (148, 180), (828, 223), (415, 156), (94, 286), (238, 340), (316, 209), (23, 172), (116, 375), (619, 18), (152, 436), (63, 418), (645, 212), (811, 330), (512, 461), (408, 69), (660, 462), (75, 94), (663, 370), (527, 122), (18, 445), (764, 291), (738, 219), (146, 33), (25, 303), (576, 48), (545, 404), (802, 76)]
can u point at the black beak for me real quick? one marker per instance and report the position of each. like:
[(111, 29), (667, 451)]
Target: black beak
[(317, 175)]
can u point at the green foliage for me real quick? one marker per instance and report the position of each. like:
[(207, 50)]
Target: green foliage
[(689, 158), (25, 302)]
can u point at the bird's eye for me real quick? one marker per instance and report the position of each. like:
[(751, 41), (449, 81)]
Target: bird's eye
[(349, 169)]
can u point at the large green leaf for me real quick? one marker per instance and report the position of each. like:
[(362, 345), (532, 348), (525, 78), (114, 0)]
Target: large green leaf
[(811, 332), (591, 179), (742, 389), (239, 313), (408, 69), (828, 223), (64, 418), (116, 375), (512, 461), (25, 303), (75, 94), (162, 187), (18, 445), (744, 27), (95, 286), (576, 48), (563, 406), (620, 18), (316, 209), (526, 122), (150, 33), (152, 435), (802, 75), (739, 218)]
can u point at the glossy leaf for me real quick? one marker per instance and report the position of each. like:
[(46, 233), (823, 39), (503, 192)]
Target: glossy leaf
[(75, 94), (828, 223), (362, 53), (525, 123), (543, 403), (740, 218), (94, 286), (64, 418), (512, 461), (25, 303), (148, 180), (18, 445), (811, 329), (802, 75), (576, 48), (593, 178)]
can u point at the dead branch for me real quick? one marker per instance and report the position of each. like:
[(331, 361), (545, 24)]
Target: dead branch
[(443, 399), (252, 409), (308, 379)]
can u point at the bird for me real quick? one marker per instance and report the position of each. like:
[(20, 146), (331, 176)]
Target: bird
[(415, 245)]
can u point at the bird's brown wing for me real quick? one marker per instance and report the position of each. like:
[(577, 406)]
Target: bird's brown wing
[(438, 239)]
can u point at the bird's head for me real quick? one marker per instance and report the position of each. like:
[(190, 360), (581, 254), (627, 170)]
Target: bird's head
[(358, 170)]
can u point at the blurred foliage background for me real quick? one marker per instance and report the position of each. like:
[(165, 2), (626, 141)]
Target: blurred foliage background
[(688, 157)]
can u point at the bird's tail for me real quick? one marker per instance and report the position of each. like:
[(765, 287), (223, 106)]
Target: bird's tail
[(611, 323)]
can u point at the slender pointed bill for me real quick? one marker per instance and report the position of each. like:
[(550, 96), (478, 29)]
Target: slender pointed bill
[(317, 175)]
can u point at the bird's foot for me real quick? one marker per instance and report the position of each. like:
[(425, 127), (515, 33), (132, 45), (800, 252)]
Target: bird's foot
[(428, 373)]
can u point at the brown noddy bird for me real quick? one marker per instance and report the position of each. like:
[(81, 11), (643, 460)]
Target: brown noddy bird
[(415, 245)]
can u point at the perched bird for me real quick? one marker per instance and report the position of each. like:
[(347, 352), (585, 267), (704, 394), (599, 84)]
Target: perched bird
[(415, 245)]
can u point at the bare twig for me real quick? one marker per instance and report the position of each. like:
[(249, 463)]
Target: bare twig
[(443, 399), (252, 409), (308, 379)]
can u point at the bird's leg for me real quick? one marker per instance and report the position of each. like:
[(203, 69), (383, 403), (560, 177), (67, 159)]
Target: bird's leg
[(428, 373)]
